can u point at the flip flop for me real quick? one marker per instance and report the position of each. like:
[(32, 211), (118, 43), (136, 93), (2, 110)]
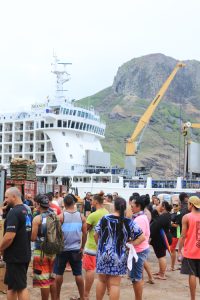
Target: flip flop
[(160, 277), (150, 281)]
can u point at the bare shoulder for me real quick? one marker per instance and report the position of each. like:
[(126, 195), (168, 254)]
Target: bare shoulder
[(37, 220)]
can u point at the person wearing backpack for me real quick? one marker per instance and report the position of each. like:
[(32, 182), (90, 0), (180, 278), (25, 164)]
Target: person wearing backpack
[(75, 231), (47, 234)]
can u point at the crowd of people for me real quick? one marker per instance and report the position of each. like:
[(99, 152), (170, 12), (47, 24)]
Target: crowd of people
[(110, 237)]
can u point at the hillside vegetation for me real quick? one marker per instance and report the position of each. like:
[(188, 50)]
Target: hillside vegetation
[(121, 105)]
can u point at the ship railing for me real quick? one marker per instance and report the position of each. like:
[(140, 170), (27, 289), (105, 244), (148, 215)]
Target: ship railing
[(191, 184), (164, 183)]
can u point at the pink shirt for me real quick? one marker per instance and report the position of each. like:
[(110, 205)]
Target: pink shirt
[(192, 239), (143, 223)]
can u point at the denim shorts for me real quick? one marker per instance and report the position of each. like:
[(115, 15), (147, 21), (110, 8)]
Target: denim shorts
[(137, 267), (73, 257)]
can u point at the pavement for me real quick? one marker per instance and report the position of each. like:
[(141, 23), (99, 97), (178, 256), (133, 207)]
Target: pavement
[(175, 287)]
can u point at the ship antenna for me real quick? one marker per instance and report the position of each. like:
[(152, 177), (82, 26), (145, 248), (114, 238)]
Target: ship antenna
[(62, 76)]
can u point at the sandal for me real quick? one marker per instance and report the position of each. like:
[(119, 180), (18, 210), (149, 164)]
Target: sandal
[(160, 277), (150, 281)]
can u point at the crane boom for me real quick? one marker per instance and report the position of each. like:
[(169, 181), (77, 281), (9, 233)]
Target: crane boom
[(131, 145)]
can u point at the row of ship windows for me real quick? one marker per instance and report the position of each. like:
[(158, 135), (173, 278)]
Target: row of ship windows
[(74, 125), (78, 113), (60, 123), (64, 111)]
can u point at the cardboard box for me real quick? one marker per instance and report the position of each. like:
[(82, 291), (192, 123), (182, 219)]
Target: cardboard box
[(1, 229), (3, 287)]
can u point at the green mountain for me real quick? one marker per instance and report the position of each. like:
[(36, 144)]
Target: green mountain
[(134, 87)]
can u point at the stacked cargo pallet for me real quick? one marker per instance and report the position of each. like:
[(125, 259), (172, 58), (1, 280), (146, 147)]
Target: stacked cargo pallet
[(23, 169)]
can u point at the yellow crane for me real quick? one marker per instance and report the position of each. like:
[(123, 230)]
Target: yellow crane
[(131, 143)]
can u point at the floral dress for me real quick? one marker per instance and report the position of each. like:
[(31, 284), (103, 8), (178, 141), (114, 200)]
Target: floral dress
[(111, 251)]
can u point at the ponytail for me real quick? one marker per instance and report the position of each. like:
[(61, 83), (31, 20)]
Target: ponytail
[(120, 206)]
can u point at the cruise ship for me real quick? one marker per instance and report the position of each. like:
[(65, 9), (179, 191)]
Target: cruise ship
[(62, 138)]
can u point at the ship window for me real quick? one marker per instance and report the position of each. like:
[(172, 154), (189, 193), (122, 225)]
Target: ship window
[(83, 114), (64, 111), (72, 168), (42, 124), (51, 124), (63, 133), (71, 156), (81, 127), (71, 112), (64, 124), (67, 144), (77, 125), (69, 123), (59, 123), (73, 124), (86, 115), (79, 113), (84, 126), (74, 112), (87, 127), (46, 125), (67, 111)]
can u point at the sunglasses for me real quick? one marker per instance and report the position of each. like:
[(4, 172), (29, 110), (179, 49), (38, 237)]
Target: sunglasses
[(176, 205)]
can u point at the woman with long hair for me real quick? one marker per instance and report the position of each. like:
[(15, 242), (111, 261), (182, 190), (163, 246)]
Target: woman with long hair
[(112, 233)]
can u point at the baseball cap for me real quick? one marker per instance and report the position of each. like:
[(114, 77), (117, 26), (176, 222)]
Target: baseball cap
[(194, 200), (43, 200)]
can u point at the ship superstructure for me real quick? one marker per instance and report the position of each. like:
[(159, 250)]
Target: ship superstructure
[(57, 134)]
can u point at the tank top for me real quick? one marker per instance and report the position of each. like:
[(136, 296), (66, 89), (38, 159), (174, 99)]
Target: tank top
[(192, 240), (41, 231), (72, 230)]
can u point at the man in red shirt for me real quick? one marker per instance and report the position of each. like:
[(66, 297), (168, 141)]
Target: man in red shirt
[(190, 242), (53, 206)]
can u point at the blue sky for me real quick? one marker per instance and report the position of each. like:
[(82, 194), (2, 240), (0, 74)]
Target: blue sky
[(97, 37)]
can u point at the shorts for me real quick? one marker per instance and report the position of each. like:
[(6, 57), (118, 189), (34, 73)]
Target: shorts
[(174, 243), (191, 267), (43, 270), (16, 276), (89, 262), (138, 267), (159, 250), (74, 257)]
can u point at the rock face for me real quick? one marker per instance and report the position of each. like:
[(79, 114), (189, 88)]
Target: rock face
[(135, 86), (145, 75)]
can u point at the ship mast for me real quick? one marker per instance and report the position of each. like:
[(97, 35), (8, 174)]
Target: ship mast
[(62, 76)]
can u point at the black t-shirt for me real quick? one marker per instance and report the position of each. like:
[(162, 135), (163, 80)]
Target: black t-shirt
[(161, 222), (18, 221)]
